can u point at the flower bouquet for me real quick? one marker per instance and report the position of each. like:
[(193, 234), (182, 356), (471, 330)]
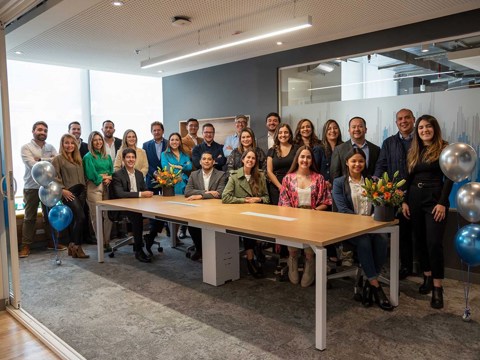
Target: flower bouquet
[(385, 195), (167, 178)]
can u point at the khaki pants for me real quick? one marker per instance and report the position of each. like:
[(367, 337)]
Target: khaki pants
[(97, 193)]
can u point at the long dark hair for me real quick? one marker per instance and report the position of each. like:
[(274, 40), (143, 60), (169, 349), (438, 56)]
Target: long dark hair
[(276, 142), (353, 152), (325, 144), (313, 137), (254, 181), (180, 147), (241, 149), (294, 166)]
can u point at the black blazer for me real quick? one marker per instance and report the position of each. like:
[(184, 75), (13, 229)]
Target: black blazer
[(339, 158), (121, 184), (117, 143)]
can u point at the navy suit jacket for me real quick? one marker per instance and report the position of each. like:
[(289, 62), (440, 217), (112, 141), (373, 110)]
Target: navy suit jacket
[(154, 161), (342, 195)]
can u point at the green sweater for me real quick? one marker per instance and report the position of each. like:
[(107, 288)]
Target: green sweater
[(94, 167), (238, 188)]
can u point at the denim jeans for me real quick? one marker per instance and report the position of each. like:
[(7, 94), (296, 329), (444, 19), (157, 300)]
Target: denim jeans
[(372, 253)]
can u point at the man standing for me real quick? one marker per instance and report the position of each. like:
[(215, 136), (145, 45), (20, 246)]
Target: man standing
[(266, 142), (112, 144), (128, 183), (210, 146), (393, 157), (231, 142), (33, 152), (75, 129), (357, 128), (206, 183), (191, 140), (154, 148)]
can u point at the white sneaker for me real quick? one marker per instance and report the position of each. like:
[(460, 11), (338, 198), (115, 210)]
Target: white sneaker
[(293, 270), (308, 273), (347, 258)]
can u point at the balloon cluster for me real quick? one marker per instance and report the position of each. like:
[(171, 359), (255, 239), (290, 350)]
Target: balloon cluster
[(458, 162), (50, 193)]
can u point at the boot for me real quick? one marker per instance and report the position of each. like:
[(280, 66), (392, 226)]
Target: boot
[(367, 295), (70, 249), (308, 273), (293, 276), (254, 269), (381, 299), (427, 285), (79, 253), (437, 298), (24, 252)]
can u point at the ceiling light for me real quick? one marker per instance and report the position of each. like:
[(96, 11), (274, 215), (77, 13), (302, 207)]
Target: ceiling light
[(279, 43), (244, 38), (118, 3), (425, 48), (325, 67), (160, 71), (19, 52)]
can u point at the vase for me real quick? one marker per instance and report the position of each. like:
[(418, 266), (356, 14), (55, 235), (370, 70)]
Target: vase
[(383, 213), (168, 191)]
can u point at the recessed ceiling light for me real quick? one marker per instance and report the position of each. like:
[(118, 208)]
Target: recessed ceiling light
[(118, 3), (160, 71), (279, 43), (19, 52)]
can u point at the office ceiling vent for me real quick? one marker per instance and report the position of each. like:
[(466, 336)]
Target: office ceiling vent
[(181, 21)]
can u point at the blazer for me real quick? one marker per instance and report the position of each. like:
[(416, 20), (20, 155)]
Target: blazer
[(196, 186), (188, 144), (238, 188), (342, 195), (339, 158), (117, 143), (153, 160), (262, 143), (320, 193), (83, 148), (393, 157), (121, 184)]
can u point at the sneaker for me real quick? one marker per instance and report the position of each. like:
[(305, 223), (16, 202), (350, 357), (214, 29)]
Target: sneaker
[(347, 258), (60, 247), (24, 252)]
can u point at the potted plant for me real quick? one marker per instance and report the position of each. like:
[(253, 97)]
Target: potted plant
[(385, 194), (166, 179)]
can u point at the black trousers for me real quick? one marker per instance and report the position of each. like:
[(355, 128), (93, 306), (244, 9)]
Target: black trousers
[(77, 205), (196, 234), (136, 220), (406, 242), (428, 232)]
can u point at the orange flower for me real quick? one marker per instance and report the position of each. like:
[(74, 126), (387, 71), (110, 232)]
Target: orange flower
[(387, 195), (389, 185), (375, 195)]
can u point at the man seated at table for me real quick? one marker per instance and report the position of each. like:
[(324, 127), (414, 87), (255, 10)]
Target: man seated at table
[(129, 183), (205, 183)]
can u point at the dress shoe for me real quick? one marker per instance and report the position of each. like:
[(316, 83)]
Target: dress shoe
[(381, 299), (403, 273), (149, 238), (437, 297), (367, 300), (254, 269), (197, 255), (427, 285), (142, 257), (70, 249), (60, 247), (24, 252)]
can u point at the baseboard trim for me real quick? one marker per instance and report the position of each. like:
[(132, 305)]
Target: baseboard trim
[(461, 275), (52, 341)]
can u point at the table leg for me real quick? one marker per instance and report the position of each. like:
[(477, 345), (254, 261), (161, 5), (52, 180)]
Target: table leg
[(394, 265), (320, 298), (99, 217)]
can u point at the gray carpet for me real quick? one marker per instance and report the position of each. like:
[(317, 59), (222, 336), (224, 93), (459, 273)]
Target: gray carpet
[(124, 309)]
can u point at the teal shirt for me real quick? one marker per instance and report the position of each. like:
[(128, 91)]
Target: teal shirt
[(167, 157), (95, 166)]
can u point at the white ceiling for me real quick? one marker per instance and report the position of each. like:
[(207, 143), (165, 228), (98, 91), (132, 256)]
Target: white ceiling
[(94, 34)]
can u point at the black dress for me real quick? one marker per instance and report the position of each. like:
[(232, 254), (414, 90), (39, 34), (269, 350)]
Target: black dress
[(281, 165)]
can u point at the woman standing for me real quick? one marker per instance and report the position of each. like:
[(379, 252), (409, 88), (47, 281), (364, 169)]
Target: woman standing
[(98, 168), (247, 142), (130, 141), (331, 137), (174, 157), (427, 203), (279, 160), (247, 185), (371, 248), (305, 134), (70, 175), (304, 187)]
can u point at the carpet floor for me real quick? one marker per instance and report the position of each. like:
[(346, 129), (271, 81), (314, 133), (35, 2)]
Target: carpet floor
[(124, 309)]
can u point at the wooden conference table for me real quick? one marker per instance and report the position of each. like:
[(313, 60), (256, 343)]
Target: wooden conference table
[(222, 224)]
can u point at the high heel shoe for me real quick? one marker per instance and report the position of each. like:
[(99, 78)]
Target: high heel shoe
[(427, 285), (437, 297), (70, 248), (381, 299), (80, 253), (367, 294)]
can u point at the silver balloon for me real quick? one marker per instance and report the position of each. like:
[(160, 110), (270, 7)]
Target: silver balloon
[(468, 201), (50, 194), (43, 173), (457, 161)]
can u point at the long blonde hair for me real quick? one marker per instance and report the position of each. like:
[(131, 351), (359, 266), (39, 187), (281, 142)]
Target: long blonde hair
[(103, 151), (124, 140), (76, 157), (418, 151)]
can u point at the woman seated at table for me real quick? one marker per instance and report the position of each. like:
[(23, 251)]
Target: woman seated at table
[(246, 142), (247, 185), (130, 141), (371, 248), (304, 187)]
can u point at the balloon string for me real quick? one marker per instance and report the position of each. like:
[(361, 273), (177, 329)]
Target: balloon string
[(466, 286)]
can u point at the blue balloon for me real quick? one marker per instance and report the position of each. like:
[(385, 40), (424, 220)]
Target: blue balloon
[(467, 244), (60, 217)]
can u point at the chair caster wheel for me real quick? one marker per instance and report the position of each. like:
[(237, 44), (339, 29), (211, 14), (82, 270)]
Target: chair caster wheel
[(111, 255)]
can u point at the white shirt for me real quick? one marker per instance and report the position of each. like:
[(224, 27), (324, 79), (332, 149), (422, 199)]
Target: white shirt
[(305, 196), (110, 149), (31, 151), (361, 205), (271, 140), (133, 181), (206, 179)]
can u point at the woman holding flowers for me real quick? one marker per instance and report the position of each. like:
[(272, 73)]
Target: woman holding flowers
[(427, 203), (349, 196), (174, 159)]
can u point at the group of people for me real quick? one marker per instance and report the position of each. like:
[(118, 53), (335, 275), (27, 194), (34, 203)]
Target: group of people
[(284, 168)]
